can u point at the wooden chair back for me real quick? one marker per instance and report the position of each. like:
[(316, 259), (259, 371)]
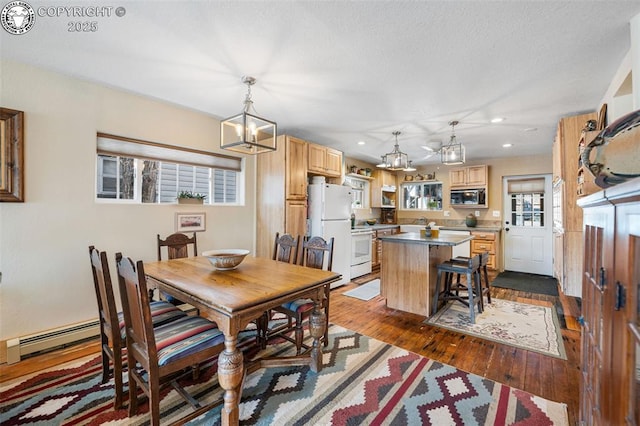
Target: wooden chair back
[(110, 339), (285, 248), (177, 245), (313, 253), (474, 262), (137, 313)]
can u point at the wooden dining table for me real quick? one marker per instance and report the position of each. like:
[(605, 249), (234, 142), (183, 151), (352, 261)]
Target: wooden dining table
[(234, 298)]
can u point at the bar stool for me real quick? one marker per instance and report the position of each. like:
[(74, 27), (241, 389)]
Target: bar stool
[(482, 272), (469, 268)]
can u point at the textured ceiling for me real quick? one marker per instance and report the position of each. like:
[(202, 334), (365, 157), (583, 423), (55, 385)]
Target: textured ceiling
[(341, 72)]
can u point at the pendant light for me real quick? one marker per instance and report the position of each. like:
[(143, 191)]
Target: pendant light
[(454, 152), (246, 132), (396, 159)]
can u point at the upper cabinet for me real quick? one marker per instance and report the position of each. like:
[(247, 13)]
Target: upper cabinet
[(383, 189), (472, 176), (296, 168), (324, 161)]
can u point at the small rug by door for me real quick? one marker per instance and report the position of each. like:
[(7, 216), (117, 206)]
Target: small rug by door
[(363, 381), (531, 283), (365, 291), (531, 327)]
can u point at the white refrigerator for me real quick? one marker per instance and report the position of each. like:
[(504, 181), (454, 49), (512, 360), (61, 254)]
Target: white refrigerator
[(330, 216)]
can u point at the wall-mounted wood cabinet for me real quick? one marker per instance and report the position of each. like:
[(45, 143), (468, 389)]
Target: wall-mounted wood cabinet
[(472, 176), (568, 263), (281, 192), (384, 189), (324, 161)]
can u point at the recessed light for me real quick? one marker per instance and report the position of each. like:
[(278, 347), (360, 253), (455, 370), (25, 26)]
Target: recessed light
[(497, 120), (361, 143), (507, 145)]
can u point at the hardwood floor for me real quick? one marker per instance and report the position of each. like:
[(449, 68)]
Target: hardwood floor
[(548, 377)]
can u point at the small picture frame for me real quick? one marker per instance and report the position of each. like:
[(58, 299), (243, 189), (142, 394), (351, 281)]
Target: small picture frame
[(190, 222)]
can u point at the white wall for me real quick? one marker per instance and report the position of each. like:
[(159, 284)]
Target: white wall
[(619, 104), (46, 275)]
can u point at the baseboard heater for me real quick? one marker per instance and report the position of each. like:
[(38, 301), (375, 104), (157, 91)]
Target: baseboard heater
[(25, 345)]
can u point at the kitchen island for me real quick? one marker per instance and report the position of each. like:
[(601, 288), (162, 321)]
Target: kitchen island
[(408, 271)]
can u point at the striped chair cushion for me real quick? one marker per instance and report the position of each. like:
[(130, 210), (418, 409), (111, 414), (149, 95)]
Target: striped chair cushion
[(299, 305), (185, 336), (162, 312)]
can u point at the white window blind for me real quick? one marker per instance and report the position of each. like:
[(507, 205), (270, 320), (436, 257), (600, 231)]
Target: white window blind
[(136, 148)]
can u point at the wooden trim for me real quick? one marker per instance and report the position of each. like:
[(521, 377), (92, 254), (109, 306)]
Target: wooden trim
[(12, 155)]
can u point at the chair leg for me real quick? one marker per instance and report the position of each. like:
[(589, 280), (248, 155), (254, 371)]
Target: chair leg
[(105, 361), (299, 332), (477, 282), (437, 295), (154, 400), (133, 389), (472, 307), (117, 378), (486, 281)]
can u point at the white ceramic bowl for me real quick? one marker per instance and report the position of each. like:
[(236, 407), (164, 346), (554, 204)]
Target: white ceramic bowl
[(225, 259)]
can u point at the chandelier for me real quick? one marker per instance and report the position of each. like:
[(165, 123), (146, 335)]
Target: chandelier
[(453, 153), (396, 159), (246, 132)]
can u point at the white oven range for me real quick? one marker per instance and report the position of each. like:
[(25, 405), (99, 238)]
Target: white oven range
[(361, 252)]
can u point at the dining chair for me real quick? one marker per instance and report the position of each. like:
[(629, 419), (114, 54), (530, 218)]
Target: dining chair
[(112, 332), (177, 245), (317, 253), (285, 249), (160, 356)]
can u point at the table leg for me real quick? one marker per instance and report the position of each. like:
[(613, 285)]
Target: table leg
[(230, 371), (317, 326)]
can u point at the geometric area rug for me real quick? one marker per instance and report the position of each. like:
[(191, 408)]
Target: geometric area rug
[(363, 381), (531, 327)]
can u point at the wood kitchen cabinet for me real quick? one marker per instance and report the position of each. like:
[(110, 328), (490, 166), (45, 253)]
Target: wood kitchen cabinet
[(486, 241), (383, 190), (376, 249), (295, 168), (295, 217), (472, 176), (568, 263), (324, 161), (610, 383), (281, 192)]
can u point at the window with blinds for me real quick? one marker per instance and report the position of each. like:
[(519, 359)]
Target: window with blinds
[(527, 202), (137, 171)]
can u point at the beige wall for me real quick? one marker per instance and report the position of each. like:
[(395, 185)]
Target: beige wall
[(46, 277), (498, 168)]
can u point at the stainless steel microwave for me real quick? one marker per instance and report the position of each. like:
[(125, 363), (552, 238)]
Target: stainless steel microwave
[(469, 197)]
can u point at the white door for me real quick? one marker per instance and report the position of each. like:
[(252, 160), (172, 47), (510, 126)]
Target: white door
[(528, 224)]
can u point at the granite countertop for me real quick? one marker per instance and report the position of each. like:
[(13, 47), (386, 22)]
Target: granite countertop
[(377, 226), (414, 237), (475, 228)]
